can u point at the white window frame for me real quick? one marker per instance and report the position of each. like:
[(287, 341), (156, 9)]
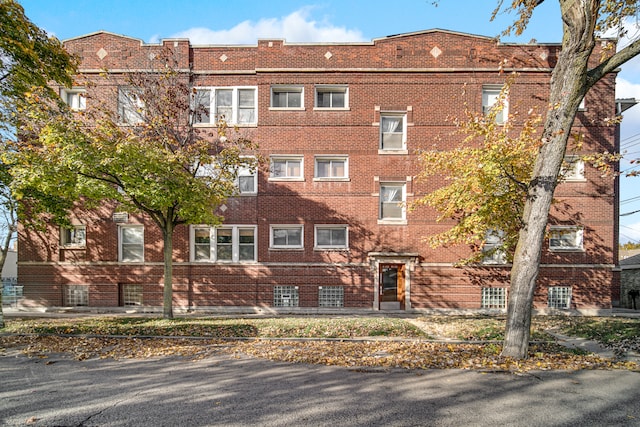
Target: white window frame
[(490, 95), (384, 117), (130, 106), (276, 89), (331, 90), (493, 298), (381, 202), (559, 297), (319, 227), (132, 294), (560, 239), (252, 173), (75, 98), (235, 245), (573, 169), (333, 158), (212, 107), (121, 251), (286, 159), (281, 227), (492, 254), (74, 236)]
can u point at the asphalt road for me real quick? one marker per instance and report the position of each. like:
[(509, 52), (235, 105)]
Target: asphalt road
[(228, 391)]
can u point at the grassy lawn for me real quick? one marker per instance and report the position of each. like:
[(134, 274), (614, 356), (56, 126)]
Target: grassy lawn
[(607, 330), (427, 342)]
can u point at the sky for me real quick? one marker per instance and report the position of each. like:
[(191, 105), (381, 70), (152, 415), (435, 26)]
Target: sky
[(246, 21)]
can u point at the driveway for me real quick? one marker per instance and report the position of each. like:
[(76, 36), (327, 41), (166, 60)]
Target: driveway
[(224, 390)]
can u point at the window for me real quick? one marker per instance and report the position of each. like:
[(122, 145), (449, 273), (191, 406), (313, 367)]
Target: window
[(290, 97), (247, 180), (287, 167), (492, 250), (131, 243), (130, 106), (331, 168), (559, 297), (235, 105), (331, 237), (572, 169), (392, 201), (581, 106), (332, 97), (490, 97), (229, 243), (565, 238), (75, 236), (76, 295), (330, 296), (494, 298), (393, 132), (286, 237), (76, 99), (131, 295), (285, 296)]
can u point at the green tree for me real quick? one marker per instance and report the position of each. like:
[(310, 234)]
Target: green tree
[(29, 59), (159, 164)]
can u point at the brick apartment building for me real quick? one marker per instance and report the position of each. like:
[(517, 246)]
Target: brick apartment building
[(324, 224)]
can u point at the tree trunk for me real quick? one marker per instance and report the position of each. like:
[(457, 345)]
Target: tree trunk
[(167, 235), (568, 86)]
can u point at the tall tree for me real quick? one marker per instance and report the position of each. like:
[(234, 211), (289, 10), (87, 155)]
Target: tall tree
[(582, 22), (29, 58), (486, 181), (159, 164)]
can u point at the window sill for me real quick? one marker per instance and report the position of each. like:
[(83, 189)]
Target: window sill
[(286, 109), (213, 125), (331, 109), (331, 179), (393, 152), (73, 247), (284, 249), (568, 180), (392, 222), (296, 179), (566, 250), (332, 249)]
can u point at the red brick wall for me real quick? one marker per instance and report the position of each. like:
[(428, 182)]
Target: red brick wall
[(396, 73)]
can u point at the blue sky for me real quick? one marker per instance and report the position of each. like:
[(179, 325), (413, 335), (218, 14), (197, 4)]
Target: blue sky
[(245, 21)]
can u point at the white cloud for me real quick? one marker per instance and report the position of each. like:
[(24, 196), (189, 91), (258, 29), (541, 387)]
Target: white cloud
[(295, 27)]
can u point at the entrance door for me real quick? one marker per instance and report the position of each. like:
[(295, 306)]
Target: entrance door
[(392, 286)]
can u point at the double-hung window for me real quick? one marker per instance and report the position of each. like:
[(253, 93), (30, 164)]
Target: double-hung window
[(333, 97), (247, 180), (572, 169), (131, 243), (392, 201), (565, 238), (286, 237), (227, 243), (287, 97), (287, 168), (75, 236), (234, 105), (130, 106), (490, 100), (492, 252), (331, 168), (393, 131), (331, 237), (75, 98)]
